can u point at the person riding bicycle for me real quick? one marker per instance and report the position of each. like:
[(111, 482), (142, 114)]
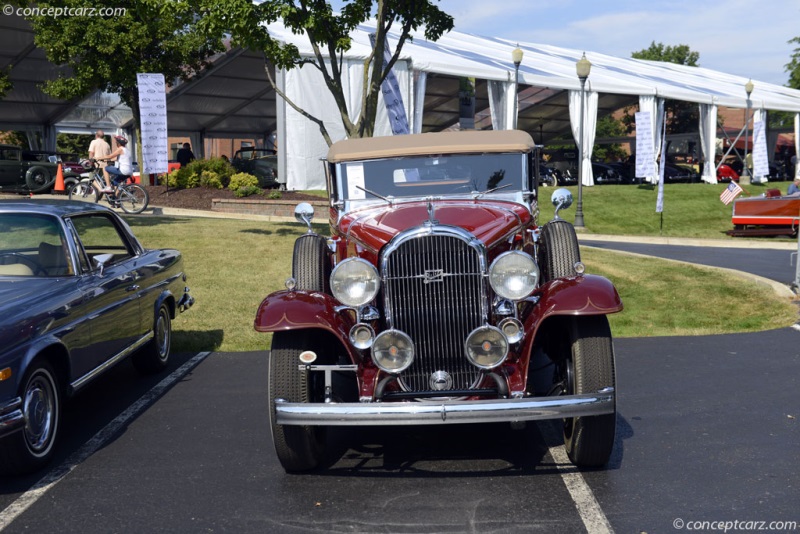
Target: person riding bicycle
[(124, 168)]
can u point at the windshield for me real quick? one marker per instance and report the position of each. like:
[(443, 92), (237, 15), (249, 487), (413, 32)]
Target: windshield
[(432, 175), (32, 245)]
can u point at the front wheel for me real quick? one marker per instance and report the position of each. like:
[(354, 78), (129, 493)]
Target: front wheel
[(133, 198), (299, 448), (85, 191), (155, 355), (31, 448), (588, 367)]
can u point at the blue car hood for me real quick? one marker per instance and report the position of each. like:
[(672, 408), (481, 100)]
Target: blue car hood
[(20, 294)]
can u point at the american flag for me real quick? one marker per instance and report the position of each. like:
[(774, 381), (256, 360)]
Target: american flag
[(732, 191)]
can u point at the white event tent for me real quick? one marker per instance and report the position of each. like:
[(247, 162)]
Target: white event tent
[(428, 74)]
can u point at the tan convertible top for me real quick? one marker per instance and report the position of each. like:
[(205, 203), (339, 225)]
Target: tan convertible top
[(467, 141)]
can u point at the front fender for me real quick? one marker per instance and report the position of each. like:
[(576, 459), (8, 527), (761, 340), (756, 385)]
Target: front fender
[(295, 310), (579, 295)]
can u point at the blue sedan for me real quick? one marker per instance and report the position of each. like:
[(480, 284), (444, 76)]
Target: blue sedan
[(78, 294)]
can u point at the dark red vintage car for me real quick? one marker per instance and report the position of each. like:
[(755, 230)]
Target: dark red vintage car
[(439, 299)]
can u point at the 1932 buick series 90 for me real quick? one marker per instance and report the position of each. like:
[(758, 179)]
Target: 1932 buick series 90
[(435, 292)]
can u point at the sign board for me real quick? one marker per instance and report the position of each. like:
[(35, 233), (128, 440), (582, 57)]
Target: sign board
[(153, 120)]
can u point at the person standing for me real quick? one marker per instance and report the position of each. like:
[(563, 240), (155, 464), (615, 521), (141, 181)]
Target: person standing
[(185, 155), (99, 148)]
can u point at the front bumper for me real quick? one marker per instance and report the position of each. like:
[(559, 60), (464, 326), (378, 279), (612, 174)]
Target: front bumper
[(11, 416), (186, 301), (445, 412)]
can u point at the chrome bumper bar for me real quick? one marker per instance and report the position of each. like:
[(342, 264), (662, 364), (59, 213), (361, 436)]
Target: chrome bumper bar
[(445, 412), (11, 417)]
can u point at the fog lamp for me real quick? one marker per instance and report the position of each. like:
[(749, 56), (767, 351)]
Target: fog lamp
[(362, 336), (486, 347), (393, 351), (512, 329)]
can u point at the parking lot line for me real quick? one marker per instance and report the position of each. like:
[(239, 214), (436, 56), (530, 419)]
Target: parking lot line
[(55, 475), (593, 517)]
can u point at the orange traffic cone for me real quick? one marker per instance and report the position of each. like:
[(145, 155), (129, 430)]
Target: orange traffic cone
[(59, 188)]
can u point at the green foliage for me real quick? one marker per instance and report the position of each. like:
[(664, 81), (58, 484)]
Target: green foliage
[(793, 67), (680, 54), (275, 194), (682, 117), (247, 191), (107, 52), (329, 34), (16, 138), (212, 172), (242, 180), (608, 126), (74, 144), (5, 82), (211, 179)]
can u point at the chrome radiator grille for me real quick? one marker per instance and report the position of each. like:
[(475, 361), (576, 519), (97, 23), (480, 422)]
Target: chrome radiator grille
[(435, 292)]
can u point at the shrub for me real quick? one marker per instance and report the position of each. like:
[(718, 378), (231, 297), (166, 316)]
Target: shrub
[(275, 194), (211, 179), (246, 191), (241, 180), (192, 175)]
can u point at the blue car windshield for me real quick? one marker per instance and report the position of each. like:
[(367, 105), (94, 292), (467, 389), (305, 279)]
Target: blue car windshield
[(32, 245), (432, 175)]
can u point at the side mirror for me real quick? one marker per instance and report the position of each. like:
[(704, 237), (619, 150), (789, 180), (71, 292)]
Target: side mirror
[(561, 199), (101, 260), (304, 212)]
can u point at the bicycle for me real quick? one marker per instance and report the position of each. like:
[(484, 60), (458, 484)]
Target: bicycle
[(131, 197)]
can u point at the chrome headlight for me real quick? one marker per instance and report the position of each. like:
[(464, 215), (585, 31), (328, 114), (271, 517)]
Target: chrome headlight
[(513, 275), (393, 351), (486, 347), (355, 282)]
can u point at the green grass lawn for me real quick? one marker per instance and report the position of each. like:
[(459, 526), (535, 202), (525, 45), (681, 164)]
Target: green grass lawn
[(690, 210), (232, 265)]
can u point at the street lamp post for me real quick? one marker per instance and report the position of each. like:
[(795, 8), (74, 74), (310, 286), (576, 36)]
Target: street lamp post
[(745, 178), (583, 67), (516, 57)]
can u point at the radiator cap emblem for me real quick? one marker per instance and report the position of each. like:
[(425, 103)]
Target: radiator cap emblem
[(441, 380)]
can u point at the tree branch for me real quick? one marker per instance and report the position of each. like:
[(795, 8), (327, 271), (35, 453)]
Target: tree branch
[(318, 122)]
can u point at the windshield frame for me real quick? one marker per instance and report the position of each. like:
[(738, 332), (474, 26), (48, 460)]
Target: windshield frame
[(459, 184)]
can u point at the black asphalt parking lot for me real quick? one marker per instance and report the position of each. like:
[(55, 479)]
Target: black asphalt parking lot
[(707, 431)]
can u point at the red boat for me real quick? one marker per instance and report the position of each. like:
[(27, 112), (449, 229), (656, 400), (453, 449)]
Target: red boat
[(770, 214)]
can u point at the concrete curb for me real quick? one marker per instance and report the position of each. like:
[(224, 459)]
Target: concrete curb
[(780, 289)]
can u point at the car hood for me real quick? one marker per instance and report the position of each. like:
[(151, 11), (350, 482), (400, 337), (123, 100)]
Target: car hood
[(25, 300), (489, 222)]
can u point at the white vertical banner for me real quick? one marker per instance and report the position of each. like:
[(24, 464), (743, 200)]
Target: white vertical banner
[(392, 96), (645, 156), (662, 164), (153, 121), (760, 158)]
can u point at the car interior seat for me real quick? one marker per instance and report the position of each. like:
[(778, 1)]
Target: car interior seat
[(53, 259)]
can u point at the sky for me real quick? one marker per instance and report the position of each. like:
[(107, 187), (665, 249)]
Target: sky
[(743, 37)]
